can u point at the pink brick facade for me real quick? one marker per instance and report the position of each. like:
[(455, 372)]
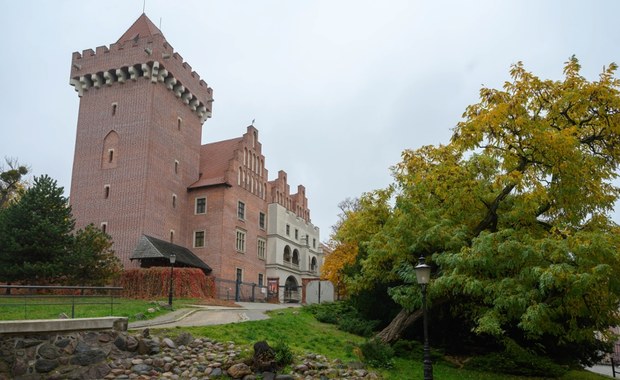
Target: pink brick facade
[(139, 166)]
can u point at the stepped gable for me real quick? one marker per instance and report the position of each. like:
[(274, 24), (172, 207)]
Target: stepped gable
[(141, 53), (215, 162)]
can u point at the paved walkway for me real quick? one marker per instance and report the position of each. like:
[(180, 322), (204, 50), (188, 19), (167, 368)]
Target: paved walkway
[(604, 370), (201, 315)]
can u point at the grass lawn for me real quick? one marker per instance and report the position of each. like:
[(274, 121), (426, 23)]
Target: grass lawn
[(294, 326), (19, 308), (303, 333)]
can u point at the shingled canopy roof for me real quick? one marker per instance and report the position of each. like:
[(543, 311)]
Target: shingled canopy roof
[(150, 249)]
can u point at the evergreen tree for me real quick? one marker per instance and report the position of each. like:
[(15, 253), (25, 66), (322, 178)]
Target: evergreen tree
[(35, 233)]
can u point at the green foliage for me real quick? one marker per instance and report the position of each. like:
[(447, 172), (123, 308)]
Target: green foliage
[(512, 215), (284, 355), (377, 354), (516, 360), (345, 316), (35, 233), (92, 260), (37, 244)]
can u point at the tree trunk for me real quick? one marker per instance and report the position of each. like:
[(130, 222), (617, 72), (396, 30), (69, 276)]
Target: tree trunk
[(391, 333)]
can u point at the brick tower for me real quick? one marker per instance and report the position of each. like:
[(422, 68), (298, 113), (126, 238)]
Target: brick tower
[(138, 138)]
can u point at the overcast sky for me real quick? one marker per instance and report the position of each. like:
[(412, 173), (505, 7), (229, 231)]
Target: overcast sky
[(338, 88)]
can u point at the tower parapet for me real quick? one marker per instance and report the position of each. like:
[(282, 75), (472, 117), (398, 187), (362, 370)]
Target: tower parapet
[(141, 57)]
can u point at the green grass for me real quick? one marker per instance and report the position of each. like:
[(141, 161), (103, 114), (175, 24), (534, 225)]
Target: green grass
[(303, 333), (296, 327), (18, 308)]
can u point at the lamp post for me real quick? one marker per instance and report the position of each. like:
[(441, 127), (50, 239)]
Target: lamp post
[(173, 258), (423, 276)]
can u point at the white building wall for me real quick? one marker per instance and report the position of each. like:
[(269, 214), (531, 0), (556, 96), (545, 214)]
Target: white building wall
[(278, 218)]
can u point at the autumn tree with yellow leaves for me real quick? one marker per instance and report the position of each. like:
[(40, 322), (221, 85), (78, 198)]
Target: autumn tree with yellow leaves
[(513, 214)]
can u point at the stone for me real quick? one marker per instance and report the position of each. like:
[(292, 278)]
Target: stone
[(141, 369), (120, 342), (99, 371), (237, 371), (48, 351), (88, 357), (169, 343), (140, 316), (132, 344), (63, 316), (45, 365), (20, 367), (183, 339), (284, 377), (216, 372)]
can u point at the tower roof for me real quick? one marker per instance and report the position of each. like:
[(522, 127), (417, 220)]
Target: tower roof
[(142, 27)]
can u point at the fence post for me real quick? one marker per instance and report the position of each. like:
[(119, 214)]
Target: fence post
[(613, 367), (72, 306)]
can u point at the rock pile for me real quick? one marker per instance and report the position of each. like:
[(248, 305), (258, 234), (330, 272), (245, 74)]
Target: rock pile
[(121, 355)]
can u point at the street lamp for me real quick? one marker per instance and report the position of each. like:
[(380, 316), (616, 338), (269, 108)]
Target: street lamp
[(173, 258), (423, 276)]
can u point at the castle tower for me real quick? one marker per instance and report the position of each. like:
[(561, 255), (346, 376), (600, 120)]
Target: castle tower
[(138, 138)]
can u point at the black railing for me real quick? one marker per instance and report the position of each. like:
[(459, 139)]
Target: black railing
[(32, 299)]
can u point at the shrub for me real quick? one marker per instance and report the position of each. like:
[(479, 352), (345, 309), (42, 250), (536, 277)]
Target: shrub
[(357, 326), (516, 360), (284, 355), (377, 354)]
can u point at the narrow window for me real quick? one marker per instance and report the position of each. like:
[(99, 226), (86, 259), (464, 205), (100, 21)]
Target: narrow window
[(201, 205), (106, 191), (199, 239), (239, 274), (174, 200), (240, 242), (104, 227), (241, 210), (176, 167), (288, 230), (114, 106), (261, 248), (296, 234), (172, 236), (260, 279), (179, 122), (313, 242), (261, 220), (110, 155)]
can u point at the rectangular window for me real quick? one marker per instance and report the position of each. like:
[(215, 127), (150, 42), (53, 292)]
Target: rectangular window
[(261, 220), (288, 230), (176, 167), (174, 200), (240, 242), (241, 210), (296, 233), (261, 279), (106, 191), (104, 227), (201, 205), (239, 275), (313, 242), (179, 123), (262, 244), (199, 239)]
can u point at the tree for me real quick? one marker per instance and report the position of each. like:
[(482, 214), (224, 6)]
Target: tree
[(11, 181), (513, 215), (91, 260), (38, 246), (35, 233)]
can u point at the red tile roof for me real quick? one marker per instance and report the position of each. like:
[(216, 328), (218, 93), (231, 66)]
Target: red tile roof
[(142, 27), (215, 161)]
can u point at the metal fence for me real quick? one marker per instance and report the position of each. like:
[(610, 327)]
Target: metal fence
[(63, 299), (239, 291)]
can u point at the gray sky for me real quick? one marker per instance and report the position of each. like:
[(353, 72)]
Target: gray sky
[(338, 88)]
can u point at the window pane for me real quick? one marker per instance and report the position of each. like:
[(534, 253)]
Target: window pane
[(201, 205)]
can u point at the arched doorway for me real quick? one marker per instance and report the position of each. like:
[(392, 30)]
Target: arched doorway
[(291, 290)]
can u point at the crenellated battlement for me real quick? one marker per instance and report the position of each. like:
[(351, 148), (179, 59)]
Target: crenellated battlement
[(150, 58), (152, 71)]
